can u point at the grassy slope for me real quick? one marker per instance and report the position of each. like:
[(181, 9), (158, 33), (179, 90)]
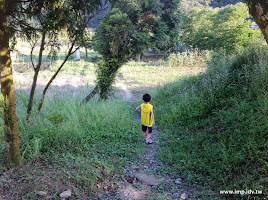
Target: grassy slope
[(78, 147), (215, 124), (214, 130)]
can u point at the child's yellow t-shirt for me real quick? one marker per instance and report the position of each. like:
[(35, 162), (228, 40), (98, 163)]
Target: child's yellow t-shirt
[(146, 115)]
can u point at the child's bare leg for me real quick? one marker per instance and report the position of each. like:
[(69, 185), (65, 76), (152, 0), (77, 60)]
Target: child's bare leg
[(144, 135), (148, 137)]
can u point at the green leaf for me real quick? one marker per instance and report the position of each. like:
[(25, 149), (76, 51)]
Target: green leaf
[(146, 3)]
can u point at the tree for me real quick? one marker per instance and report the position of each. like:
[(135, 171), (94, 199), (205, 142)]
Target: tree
[(259, 11), (197, 28), (188, 5), (225, 27), (117, 41), (16, 16), (72, 16), (34, 19), (128, 31), (12, 151), (159, 19), (43, 27)]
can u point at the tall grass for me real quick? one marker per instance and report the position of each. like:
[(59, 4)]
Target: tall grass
[(216, 124), (88, 142), (189, 58), (94, 129)]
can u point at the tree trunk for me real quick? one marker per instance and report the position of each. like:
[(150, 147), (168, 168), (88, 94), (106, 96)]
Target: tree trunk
[(92, 93), (259, 10), (52, 78), (36, 72), (12, 150)]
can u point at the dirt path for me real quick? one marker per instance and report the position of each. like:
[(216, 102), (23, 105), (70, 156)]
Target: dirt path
[(127, 94), (145, 178)]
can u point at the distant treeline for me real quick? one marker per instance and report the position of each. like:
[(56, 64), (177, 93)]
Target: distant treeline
[(93, 23)]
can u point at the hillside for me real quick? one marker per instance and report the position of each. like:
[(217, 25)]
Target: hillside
[(215, 124)]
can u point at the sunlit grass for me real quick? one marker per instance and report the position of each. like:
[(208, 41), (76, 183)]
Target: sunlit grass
[(155, 74)]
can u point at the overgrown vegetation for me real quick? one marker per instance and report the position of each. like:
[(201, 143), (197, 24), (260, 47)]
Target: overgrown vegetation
[(215, 124), (88, 144), (220, 28), (213, 127), (116, 40), (189, 58), (81, 147)]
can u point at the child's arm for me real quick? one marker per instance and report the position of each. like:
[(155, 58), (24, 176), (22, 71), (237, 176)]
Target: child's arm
[(138, 109), (153, 117)]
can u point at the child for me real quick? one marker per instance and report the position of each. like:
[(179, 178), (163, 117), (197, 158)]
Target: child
[(147, 118)]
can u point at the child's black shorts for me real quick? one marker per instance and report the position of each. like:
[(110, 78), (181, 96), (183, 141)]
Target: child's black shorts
[(144, 129)]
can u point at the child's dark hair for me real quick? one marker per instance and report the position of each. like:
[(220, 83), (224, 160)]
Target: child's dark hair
[(146, 97)]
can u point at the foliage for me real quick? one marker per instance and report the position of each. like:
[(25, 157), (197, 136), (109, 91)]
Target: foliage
[(117, 38), (215, 128), (158, 21), (43, 27), (106, 73), (128, 30), (187, 5), (36, 17), (227, 28), (117, 41)]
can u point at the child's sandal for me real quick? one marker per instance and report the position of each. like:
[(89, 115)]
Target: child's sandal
[(149, 142)]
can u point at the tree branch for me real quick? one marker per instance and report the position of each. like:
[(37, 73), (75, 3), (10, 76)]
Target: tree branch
[(52, 78), (37, 69), (32, 56), (91, 94)]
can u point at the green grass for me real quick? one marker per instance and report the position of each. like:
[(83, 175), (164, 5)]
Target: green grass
[(87, 130), (213, 127), (153, 74), (23, 51), (215, 124), (89, 143), (189, 58), (82, 67), (80, 147)]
